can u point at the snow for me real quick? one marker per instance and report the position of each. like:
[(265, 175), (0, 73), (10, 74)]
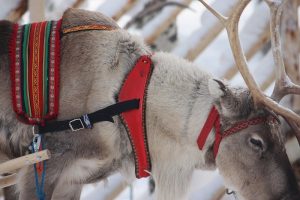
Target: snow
[(205, 184), (151, 26), (110, 9), (92, 4), (221, 60), (131, 13), (208, 21), (55, 9), (91, 191), (139, 190), (261, 71), (104, 6), (148, 30)]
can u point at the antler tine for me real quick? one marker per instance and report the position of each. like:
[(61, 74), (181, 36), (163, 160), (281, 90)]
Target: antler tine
[(231, 25), (259, 98), (215, 13), (283, 84)]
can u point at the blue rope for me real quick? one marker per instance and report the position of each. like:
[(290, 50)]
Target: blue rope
[(40, 187)]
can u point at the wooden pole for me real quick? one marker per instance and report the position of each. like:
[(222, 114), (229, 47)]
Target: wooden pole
[(210, 35), (18, 163), (37, 10), (164, 25), (7, 181), (18, 12), (249, 53), (124, 9)]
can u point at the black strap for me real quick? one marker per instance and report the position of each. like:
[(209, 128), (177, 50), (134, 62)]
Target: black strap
[(87, 121)]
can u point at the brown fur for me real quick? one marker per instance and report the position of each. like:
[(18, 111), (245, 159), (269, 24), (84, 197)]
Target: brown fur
[(5, 30)]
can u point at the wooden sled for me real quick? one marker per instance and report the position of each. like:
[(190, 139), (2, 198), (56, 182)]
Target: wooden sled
[(12, 166)]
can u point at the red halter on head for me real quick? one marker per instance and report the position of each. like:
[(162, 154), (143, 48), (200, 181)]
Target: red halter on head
[(213, 120)]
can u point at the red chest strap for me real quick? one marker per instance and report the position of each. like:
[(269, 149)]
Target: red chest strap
[(135, 87), (213, 121)]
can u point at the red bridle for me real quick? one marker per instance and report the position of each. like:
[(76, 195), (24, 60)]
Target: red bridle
[(213, 120)]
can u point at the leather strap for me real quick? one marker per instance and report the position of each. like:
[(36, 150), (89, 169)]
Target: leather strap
[(87, 121), (135, 86), (213, 121)]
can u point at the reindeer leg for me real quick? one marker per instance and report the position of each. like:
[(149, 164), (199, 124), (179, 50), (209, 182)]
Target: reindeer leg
[(67, 191), (10, 193), (26, 181)]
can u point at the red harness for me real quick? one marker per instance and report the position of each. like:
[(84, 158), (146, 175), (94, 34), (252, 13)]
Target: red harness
[(213, 120), (135, 87)]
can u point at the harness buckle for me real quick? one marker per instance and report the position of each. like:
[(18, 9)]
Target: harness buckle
[(72, 124)]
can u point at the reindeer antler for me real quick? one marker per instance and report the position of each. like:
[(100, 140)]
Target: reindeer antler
[(283, 85)]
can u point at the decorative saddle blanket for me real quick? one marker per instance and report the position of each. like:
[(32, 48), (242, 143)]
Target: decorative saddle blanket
[(34, 58)]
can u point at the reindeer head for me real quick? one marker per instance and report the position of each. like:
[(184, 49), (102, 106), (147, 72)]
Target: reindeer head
[(252, 161)]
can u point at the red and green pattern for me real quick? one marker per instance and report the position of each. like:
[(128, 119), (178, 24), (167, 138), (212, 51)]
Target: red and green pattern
[(34, 57)]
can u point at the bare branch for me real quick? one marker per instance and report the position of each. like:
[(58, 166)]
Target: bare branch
[(215, 13)]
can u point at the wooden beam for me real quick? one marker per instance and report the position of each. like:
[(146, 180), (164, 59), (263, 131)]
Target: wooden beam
[(124, 9), (77, 3), (36, 10), (7, 181), (18, 163), (255, 34), (164, 24), (17, 13), (263, 38), (209, 34)]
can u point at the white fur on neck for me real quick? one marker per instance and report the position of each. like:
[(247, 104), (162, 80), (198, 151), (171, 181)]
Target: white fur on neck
[(176, 112)]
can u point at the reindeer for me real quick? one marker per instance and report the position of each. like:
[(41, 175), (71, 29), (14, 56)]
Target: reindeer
[(252, 160)]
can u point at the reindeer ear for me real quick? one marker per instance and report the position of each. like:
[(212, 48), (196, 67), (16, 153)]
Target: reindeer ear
[(237, 102), (217, 88), (232, 102)]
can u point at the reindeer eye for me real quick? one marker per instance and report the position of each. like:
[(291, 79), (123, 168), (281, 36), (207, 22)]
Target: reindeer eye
[(257, 143)]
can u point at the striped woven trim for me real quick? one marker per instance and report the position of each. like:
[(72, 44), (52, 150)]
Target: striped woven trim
[(34, 57), (87, 27)]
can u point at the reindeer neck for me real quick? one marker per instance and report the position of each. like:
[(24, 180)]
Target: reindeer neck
[(179, 103)]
